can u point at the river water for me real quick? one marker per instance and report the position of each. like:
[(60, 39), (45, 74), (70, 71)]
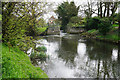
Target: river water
[(71, 56)]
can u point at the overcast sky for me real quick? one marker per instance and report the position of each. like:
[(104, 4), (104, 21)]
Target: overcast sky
[(55, 3)]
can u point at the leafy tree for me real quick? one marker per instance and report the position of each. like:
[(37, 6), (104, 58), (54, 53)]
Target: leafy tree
[(104, 26), (7, 9), (65, 11), (19, 21), (101, 24), (92, 23), (118, 18), (75, 21)]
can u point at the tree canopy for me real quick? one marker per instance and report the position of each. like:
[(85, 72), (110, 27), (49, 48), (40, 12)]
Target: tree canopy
[(65, 11)]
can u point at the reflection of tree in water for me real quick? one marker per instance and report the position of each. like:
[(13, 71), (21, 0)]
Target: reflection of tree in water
[(98, 50), (102, 53), (68, 49), (119, 60)]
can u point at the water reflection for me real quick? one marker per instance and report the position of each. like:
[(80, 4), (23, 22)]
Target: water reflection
[(105, 56), (71, 57)]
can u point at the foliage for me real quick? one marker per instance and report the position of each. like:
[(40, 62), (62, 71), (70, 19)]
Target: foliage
[(65, 11), (16, 64), (75, 22), (0, 36), (76, 19), (118, 17), (0, 17), (101, 24), (113, 37), (17, 28), (104, 26), (26, 43), (40, 30), (33, 55), (0, 60), (42, 48), (92, 23), (115, 25), (0, 27), (92, 31), (42, 55), (38, 55)]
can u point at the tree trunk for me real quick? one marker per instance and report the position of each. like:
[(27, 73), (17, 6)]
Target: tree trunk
[(101, 9), (108, 9), (98, 9), (114, 8), (104, 10)]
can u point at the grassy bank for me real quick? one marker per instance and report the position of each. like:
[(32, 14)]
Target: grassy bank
[(112, 36), (16, 64)]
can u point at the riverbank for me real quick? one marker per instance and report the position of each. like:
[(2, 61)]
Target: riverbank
[(16, 64), (111, 37)]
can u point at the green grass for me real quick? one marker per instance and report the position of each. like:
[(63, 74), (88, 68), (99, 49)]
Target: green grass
[(0, 61), (93, 31), (114, 37), (16, 64), (115, 25)]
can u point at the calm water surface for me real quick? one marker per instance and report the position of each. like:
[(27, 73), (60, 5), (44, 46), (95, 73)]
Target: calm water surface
[(71, 56)]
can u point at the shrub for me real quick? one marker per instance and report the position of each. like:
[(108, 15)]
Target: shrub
[(38, 55), (40, 30), (33, 55), (75, 22), (92, 23), (93, 31), (42, 55), (104, 26), (42, 48)]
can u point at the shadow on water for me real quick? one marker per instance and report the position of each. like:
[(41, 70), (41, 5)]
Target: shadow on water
[(73, 57)]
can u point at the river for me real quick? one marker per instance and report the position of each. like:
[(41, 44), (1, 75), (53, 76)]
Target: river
[(71, 56)]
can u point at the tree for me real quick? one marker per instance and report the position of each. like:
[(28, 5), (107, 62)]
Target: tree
[(92, 23), (19, 21), (118, 18), (65, 11), (7, 9), (104, 26)]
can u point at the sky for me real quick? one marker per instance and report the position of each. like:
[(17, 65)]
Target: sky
[(58, 2), (55, 3)]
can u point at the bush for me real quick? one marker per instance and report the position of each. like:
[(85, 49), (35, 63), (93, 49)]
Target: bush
[(42, 55), (42, 48), (104, 26), (75, 22), (92, 23), (33, 55), (40, 30), (93, 31), (38, 55)]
